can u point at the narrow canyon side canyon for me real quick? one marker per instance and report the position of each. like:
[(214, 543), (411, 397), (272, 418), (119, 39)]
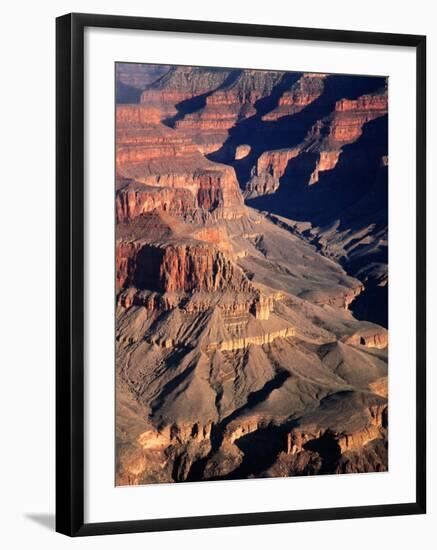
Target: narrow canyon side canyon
[(251, 274)]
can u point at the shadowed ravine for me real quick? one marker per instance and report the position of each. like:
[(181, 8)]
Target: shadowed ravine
[(218, 430), (288, 131), (196, 103), (251, 274)]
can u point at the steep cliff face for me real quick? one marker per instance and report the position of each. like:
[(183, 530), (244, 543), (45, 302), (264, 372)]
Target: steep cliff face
[(157, 251), (133, 199), (140, 137), (159, 167), (196, 192), (335, 180), (267, 172), (337, 444), (327, 161), (324, 141), (181, 84), (237, 351), (345, 124), (124, 258), (343, 127), (234, 100), (307, 89), (192, 322), (185, 268), (135, 116)]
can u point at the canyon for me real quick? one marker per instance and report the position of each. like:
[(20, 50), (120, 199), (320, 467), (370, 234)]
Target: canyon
[(251, 274)]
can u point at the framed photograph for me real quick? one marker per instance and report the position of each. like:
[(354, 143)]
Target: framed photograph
[(240, 274)]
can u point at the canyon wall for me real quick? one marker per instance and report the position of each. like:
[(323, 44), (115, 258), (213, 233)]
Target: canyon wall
[(250, 228)]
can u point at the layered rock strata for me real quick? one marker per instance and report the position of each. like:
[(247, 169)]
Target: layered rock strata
[(237, 351), (307, 89), (158, 167)]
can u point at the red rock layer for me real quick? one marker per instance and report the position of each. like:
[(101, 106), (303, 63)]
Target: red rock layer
[(225, 106), (275, 162), (346, 123), (140, 137), (246, 90), (306, 90), (181, 84), (327, 161), (136, 115), (269, 168), (198, 268), (162, 168), (135, 199), (242, 151), (196, 193), (177, 268), (124, 262), (199, 331), (326, 138), (344, 126)]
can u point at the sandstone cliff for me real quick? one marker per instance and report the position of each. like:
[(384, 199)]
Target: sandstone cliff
[(307, 89), (239, 351), (159, 167)]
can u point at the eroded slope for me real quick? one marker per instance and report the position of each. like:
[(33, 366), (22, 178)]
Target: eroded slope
[(237, 353)]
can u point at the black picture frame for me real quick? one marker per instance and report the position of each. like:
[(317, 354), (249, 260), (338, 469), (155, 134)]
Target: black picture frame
[(70, 273)]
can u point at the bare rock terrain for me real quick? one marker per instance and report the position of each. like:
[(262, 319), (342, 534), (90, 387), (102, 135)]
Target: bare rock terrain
[(251, 274)]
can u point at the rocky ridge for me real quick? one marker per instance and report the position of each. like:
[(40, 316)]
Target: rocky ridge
[(237, 350)]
